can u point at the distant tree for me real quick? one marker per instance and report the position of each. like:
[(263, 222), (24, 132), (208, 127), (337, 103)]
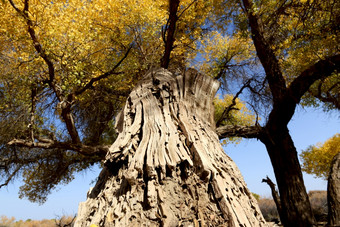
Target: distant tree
[(323, 160), (317, 159)]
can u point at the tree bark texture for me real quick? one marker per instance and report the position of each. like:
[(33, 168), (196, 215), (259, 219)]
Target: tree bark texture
[(333, 192), (167, 167), (295, 206)]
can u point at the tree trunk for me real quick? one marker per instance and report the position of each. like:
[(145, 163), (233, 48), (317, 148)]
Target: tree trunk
[(167, 167), (295, 206), (333, 192), (275, 195)]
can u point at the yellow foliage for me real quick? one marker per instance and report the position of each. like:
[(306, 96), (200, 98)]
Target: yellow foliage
[(240, 115), (218, 50), (82, 40), (317, 159)]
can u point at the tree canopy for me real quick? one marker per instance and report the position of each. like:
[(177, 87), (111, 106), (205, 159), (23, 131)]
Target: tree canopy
[(317, 159), (67, 67)]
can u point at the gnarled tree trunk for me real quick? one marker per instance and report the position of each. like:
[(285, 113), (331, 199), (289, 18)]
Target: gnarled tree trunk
[(167, 166), (333, 192), (295, 206)]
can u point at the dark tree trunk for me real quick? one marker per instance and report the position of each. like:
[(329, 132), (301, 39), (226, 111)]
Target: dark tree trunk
[(333, 192), (167, 167), (295, 206), (275, 195)]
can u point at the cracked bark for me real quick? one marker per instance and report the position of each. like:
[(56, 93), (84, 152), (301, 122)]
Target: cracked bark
[(167, 167)]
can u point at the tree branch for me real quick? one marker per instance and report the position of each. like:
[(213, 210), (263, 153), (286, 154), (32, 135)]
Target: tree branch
[(229, 108), (33, 106), (186, 8), (105, 75), (239, 131), (64, 104), (10, 177), (275, 194), (285, 108), (319, 70), (52, 144), (265, 53), (169, 42), (36, 43)]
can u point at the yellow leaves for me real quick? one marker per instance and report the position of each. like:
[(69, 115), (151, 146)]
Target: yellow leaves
[(218, 49), (240, 115), (317, 159), (302, 35)]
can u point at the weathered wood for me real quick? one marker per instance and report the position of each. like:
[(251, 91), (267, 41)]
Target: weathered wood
[(167, 167)]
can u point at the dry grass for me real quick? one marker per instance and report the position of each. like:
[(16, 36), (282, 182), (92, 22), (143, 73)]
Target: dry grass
[(64, 221), (318, 200)]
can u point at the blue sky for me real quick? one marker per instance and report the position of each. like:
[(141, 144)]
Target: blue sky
[(307, 127)]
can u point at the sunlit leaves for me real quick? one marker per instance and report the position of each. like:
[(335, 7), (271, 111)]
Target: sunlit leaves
[(239, 114), (82, 40), (223, 52), (317, 159)]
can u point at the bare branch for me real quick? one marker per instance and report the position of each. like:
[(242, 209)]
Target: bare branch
[(105, 75), (59, 222), (239, 131), (10, 177), (275, 194), (186, 8), (51, 144), (229, 108), (265, 53)]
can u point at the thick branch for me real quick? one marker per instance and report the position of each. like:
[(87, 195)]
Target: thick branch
[(239, 131), (169, 42), (265, 53), (285, 108), (51, 144), (64, 104), (319, 70)]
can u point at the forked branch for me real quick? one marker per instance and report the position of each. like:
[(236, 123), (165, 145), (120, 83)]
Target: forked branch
[(231, 107)]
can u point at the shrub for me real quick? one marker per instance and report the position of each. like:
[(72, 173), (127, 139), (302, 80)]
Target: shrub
[(268, 209)]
